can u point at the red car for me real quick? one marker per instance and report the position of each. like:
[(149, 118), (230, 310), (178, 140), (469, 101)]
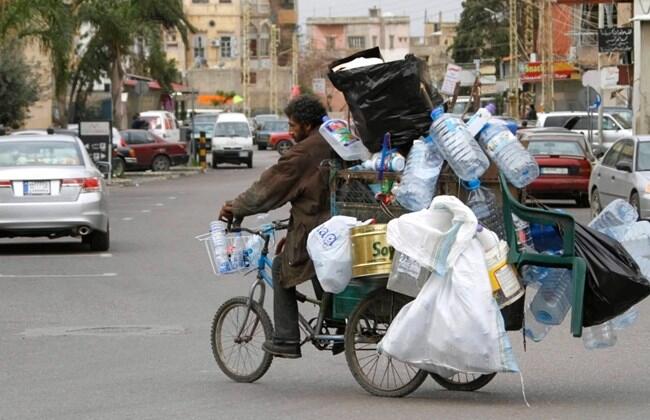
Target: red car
[(565, 162), (152, 152), (281, 141)]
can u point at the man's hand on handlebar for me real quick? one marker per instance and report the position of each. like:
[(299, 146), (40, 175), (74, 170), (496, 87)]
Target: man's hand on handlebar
[(226, 213)]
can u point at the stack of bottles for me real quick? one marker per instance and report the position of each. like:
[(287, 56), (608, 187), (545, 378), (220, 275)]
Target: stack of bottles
[(233, 252), (420, 177)]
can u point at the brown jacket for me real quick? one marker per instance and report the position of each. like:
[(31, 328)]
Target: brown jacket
[(298, 178)]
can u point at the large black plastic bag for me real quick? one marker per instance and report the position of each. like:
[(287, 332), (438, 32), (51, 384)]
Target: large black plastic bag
[(394, 97), (614, 283)]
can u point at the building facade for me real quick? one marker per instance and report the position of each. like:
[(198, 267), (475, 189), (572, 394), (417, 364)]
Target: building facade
[(434, 47)]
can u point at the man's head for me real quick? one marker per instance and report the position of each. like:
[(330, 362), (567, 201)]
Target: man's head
[(305, 114)]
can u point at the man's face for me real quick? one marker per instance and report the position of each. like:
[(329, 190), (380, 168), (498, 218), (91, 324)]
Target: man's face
[(299, 131)]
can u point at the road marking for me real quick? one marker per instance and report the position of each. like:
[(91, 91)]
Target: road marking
[(159, 204), (127, 219), (172, 197), (107, 330), (146, 211), (54, 276)]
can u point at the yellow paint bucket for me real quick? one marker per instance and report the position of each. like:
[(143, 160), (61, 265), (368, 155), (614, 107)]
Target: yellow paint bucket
[(371, 254)]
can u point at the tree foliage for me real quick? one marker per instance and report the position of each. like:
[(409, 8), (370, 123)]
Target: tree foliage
[(18, 85), (482, 31)]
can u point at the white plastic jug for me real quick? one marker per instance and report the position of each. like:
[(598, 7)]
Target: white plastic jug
[(340, 138)]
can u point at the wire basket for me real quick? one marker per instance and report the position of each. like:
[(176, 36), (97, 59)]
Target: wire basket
[(242, 251)]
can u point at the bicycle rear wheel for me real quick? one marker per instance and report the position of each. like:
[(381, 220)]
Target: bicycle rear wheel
[(464, 381), (241, 356), (377, 373)]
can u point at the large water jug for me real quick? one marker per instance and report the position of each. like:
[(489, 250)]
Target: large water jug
[(514, 161), (553, 300), (219, 246), (340, 138), (420, 176), (533, 329), (484, 205), (615, 219), (457, 146), (599, 336)]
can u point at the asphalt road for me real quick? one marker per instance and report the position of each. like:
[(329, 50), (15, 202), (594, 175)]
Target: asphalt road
[(125, 335)]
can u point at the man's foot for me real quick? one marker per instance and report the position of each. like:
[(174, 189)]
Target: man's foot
[(282, 349), (339, 347)]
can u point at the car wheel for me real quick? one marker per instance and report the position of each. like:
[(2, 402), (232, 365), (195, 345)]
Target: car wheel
[(595, 205), (119, 166), (283, 146), (583, 200), (636, 202), (261, 146), (160, 163), (98, 240)]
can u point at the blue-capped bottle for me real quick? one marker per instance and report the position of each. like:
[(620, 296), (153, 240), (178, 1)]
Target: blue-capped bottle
[(484, 205), (457, 146), (420, 177), (553, 300), (512, 159)]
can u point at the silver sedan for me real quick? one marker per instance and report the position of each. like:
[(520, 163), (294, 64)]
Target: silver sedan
[(50, 187), (623, 172)]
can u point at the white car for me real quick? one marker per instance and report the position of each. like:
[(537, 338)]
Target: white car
[(163, 124), (624, 172), (614, 127), (232, 140), (50, 187)]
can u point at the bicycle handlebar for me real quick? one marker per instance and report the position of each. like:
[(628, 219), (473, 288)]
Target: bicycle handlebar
[(235, 226)]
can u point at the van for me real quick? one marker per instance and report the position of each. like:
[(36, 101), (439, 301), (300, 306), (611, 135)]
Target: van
[(232, 140), (162, 124)]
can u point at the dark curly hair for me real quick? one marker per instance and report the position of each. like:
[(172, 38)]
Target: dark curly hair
[(306, 109)]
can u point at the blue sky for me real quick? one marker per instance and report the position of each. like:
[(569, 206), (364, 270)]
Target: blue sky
[(414, 8)]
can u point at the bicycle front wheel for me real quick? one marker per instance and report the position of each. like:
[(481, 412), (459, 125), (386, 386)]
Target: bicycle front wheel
[(240, 356), (377, 373)]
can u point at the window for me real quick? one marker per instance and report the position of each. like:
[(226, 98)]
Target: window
[(252, 78), (252, 41), (583, 123), (627, 152), (232, 129), (330, 43), (138, 137), (374, 41), (225, 46), (608, 124), (356, 42), (556, 121), (265, 35), (199, 48), (643, 157), (391, 42), (40, 153), (612, 155), (547, 148)]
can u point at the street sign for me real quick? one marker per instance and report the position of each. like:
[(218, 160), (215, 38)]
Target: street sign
[(452, 77), (318, 86), (615, 39), (96, 136)]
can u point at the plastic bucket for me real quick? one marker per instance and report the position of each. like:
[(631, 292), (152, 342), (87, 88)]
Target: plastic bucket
[(371, 254)]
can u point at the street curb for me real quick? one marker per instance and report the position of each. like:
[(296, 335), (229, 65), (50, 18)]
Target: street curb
[(134, 179)]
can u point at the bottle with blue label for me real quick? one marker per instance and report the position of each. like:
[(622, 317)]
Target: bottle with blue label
[(457, 146), (420, 177), (533, 329), (514, 161), (338, 135), (483, 203)]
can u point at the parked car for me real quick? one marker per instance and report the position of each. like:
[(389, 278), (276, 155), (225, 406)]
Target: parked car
[(565, 162), (624, 172), (205, 123), (525, 135), (50, 187), (163, 124), (281, 141), (259, 119), (613, 128), (152, 152), (232, 141), (263, 134)]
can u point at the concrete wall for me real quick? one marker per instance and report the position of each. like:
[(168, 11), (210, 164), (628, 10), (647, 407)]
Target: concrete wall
[(40, 113)]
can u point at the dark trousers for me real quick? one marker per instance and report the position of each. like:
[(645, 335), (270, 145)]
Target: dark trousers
[(285, 307)]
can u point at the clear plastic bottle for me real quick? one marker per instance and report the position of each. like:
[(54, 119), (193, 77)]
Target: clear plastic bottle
[(599, 336), (420, 176), (219, 245), (533, 329), (337, 133), (615, 219), (626, 319), (514, 161), (478, 120), (484, 205), (529, 273), (553, 300), (457, 146)]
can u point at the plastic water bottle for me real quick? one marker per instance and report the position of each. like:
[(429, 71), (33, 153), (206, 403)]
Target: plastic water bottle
[(553, 300), (420, 176), (340, 138), (219, 245), (484, 205), (599, 336), (615, 219), (457, 146), (626, 319), (533, 329), (393, 162), (514, 161), (478, 120)]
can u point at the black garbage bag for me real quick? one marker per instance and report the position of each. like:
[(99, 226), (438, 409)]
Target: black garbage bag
[(614, 282), (395, 97)]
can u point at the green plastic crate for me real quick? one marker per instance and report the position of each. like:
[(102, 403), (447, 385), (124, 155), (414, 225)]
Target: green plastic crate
[(345, 302)]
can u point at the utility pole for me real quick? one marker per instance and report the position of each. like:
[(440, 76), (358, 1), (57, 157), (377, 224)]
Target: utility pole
[(294, 59), (245, 57), (514, 61), (601, 24), (545, 43), (273, 82)]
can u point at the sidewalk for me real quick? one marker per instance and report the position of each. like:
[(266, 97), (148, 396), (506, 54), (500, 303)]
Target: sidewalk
[(135, 178)]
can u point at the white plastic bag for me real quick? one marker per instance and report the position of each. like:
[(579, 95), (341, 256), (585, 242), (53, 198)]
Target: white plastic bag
[(454, 325), (330, 249)]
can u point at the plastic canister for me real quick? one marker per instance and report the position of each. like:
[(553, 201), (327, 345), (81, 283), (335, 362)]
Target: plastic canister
[(371, 254), (337, 133), (506, 285)]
